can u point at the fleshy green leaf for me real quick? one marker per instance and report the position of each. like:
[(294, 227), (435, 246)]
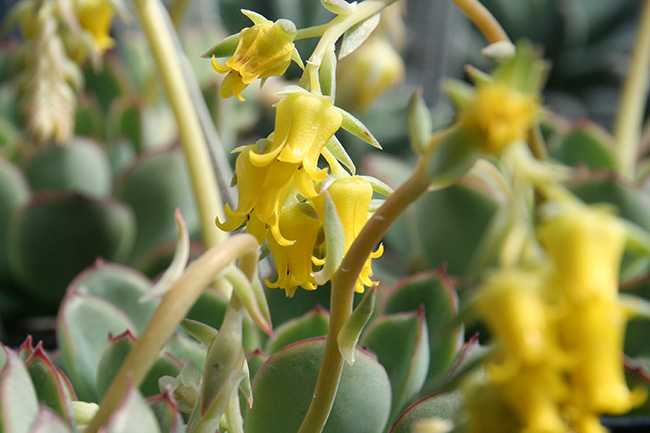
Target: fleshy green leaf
[(444, 406), (282, 395), (18, 401), (201, 332), (48, 421), (166, 412), (401, 344), (132, 415), (378, 186), (357, 34), (434, 292), (358, 129), (243, 288), (14, 192), (49, 384), (312, 324), (587, 144)]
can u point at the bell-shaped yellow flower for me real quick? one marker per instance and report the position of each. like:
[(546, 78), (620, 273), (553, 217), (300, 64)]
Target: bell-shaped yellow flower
[(498, 115), (299, 223), (262, 191), (264, 50), (511, 303), (304, 123), (351, 196), (96, 17), (592, 334), (487, 409), (586, 245)]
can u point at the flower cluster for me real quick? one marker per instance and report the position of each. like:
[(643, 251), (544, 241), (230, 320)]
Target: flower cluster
[(282, 192), (559, 333)]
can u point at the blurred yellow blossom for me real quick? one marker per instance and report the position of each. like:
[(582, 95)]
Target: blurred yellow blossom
[(96, 17), (498, 115), (264, 50)]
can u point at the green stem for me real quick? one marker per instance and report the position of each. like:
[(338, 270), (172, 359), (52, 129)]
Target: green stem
[(483, 19), (629, 120), (172, 309), (168, 65), (336, 28), (342, 295)]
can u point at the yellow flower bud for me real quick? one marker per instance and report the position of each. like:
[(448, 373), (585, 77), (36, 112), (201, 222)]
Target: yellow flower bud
[(586, 246), (304, 123), (498, 115), (264, 50), (294, 262), (96, 17), (371, 70)]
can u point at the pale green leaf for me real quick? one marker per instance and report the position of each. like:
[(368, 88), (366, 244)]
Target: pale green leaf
[(358, 33)]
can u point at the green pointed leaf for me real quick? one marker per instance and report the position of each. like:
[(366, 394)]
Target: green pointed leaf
[(178, 264), (49, 384), (184, 388), (327, 73), (18, 401), (445, 406), (132, 415), (243, 288), (84, 324), (113, 357), (358, 129), (225, 48), (48, 421), (401, 344), (201, 332), (291, 89), (312, 324), (339, 152), (255, 17), (378, 186), (335, 241), (183, 347), (282, 396), (166, 412), (418, 123), (434, 292), (351, 330), (357, 34), (339, 7)]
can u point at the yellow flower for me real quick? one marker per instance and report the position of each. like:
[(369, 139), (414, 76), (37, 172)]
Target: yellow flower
[(351, 196), (512, 305), (262, 191), (265, 49), (593, 333), (498, 115), (300, 223), (96, 17), (304, 123), (586, 246)]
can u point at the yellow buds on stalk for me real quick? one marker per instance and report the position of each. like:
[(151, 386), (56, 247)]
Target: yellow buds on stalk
[(96, 17), (559, 329), (264, 50), (499, 115)]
